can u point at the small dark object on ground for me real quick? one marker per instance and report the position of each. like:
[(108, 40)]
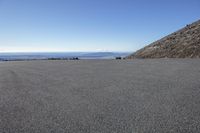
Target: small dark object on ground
[(74, 58), (54, 58), (118, 58)]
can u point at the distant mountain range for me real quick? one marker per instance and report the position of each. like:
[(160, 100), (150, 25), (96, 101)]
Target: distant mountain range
[(43, 56), (185, 43)]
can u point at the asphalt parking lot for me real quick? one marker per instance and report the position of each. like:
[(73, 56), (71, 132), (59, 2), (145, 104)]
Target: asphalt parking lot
[(100, 96)]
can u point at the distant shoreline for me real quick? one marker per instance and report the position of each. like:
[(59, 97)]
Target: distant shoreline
[(61, 56)]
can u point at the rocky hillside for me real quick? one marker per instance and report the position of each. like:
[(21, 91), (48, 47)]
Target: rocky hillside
[(185, 43)]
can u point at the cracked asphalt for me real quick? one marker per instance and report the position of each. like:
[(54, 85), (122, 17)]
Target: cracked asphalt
[(100, 96)]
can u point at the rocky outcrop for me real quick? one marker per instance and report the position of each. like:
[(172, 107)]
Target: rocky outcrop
[(185, 43)]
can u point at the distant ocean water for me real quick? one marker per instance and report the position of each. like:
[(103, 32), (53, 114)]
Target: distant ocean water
[(80, 55)]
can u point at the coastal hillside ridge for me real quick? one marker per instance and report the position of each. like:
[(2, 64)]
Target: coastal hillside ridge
[(184, 43)]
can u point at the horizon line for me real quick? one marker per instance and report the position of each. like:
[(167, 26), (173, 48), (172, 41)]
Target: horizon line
[(66, 51)]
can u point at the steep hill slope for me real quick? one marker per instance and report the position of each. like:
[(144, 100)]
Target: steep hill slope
[(185, 43)]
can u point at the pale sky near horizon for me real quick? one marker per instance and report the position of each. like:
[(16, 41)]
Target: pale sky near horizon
[(90, 25)]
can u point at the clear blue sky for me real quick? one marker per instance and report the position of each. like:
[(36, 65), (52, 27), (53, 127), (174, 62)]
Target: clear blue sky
[(90, 25)]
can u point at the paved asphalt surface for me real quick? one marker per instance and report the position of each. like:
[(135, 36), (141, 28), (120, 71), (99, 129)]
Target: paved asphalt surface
[(100, 96)]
